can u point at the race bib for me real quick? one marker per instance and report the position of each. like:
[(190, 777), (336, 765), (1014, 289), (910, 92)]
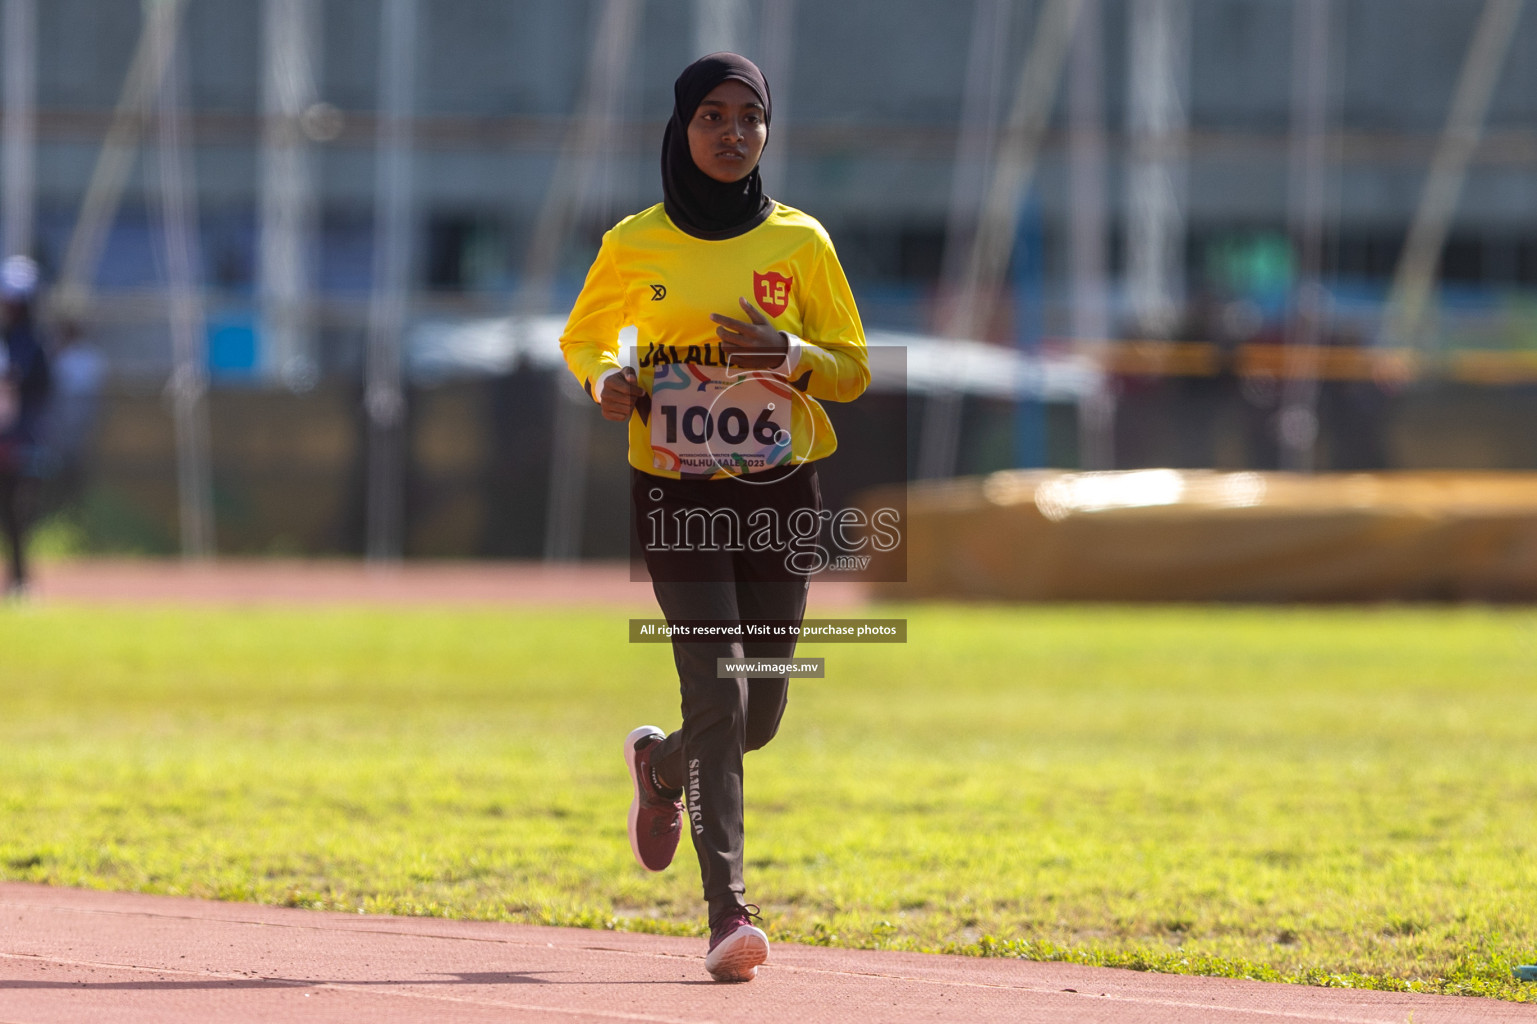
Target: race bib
[(705, 419)]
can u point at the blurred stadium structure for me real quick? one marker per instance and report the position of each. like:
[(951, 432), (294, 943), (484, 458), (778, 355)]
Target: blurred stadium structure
[(1109, 234)]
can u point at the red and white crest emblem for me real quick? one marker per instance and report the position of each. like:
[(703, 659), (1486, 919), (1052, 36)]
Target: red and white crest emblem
[(772, 291)]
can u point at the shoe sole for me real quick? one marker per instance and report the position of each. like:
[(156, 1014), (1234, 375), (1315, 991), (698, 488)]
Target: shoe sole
[(636, 735), (738, 957)]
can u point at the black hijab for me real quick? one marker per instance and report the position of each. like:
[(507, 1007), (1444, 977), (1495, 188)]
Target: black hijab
[(696, 202)]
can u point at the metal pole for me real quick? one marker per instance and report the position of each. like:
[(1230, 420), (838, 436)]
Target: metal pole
[(718, 25), (1089, 234), (162, 21), (987, 259), (20, 133), (576, 168), (1414, 279), (571, 191), (777, 33), (1158, 128), (383, 395), (1298, 425), (1014, 167), (976, 145), (188, 386), (287, 201)]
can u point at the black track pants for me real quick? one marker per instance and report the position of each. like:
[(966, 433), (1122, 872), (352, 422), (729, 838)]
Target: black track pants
[(722, 718)]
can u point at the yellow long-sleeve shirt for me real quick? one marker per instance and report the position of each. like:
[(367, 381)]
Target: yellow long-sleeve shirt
[(704, 418)]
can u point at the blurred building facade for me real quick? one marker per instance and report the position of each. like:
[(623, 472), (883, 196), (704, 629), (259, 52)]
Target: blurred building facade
[(868, 120), (873, 104)]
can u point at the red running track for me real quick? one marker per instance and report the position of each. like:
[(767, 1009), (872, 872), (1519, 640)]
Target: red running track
[(71, 955)]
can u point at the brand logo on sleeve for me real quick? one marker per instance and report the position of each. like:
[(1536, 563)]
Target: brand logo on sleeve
[(772, 290), (658, 292)]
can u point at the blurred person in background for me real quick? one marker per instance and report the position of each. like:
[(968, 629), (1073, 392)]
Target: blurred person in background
[(1357, 413), (79, 371), (724, 420), (25, 383)]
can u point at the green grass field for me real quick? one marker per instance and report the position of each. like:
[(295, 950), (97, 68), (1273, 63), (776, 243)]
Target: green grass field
[(1339, 796)]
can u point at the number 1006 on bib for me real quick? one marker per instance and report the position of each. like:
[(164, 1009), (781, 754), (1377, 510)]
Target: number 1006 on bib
[(704, 423)]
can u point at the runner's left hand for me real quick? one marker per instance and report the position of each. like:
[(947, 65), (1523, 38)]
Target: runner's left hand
[(753, 344)]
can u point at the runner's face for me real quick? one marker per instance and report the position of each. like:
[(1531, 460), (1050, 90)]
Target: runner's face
[(727, 134)]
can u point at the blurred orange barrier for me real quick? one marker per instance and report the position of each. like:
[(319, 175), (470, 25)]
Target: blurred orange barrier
[(1194, 535), (1320, 362), (1495, 367), (1327, 363), (1163, 358)]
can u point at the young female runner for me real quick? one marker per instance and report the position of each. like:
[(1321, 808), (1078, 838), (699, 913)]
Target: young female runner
[(744, 321)]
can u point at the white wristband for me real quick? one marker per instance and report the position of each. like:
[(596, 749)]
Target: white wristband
[(597, 385), (792, 352)]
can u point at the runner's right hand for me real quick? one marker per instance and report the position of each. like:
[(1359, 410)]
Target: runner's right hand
[(620, 391)]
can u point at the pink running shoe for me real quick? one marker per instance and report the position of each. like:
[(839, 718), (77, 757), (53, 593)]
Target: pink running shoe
[(656, 820), (736, 947)]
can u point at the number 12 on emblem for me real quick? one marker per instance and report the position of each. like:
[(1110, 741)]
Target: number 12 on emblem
[(773, 291)]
